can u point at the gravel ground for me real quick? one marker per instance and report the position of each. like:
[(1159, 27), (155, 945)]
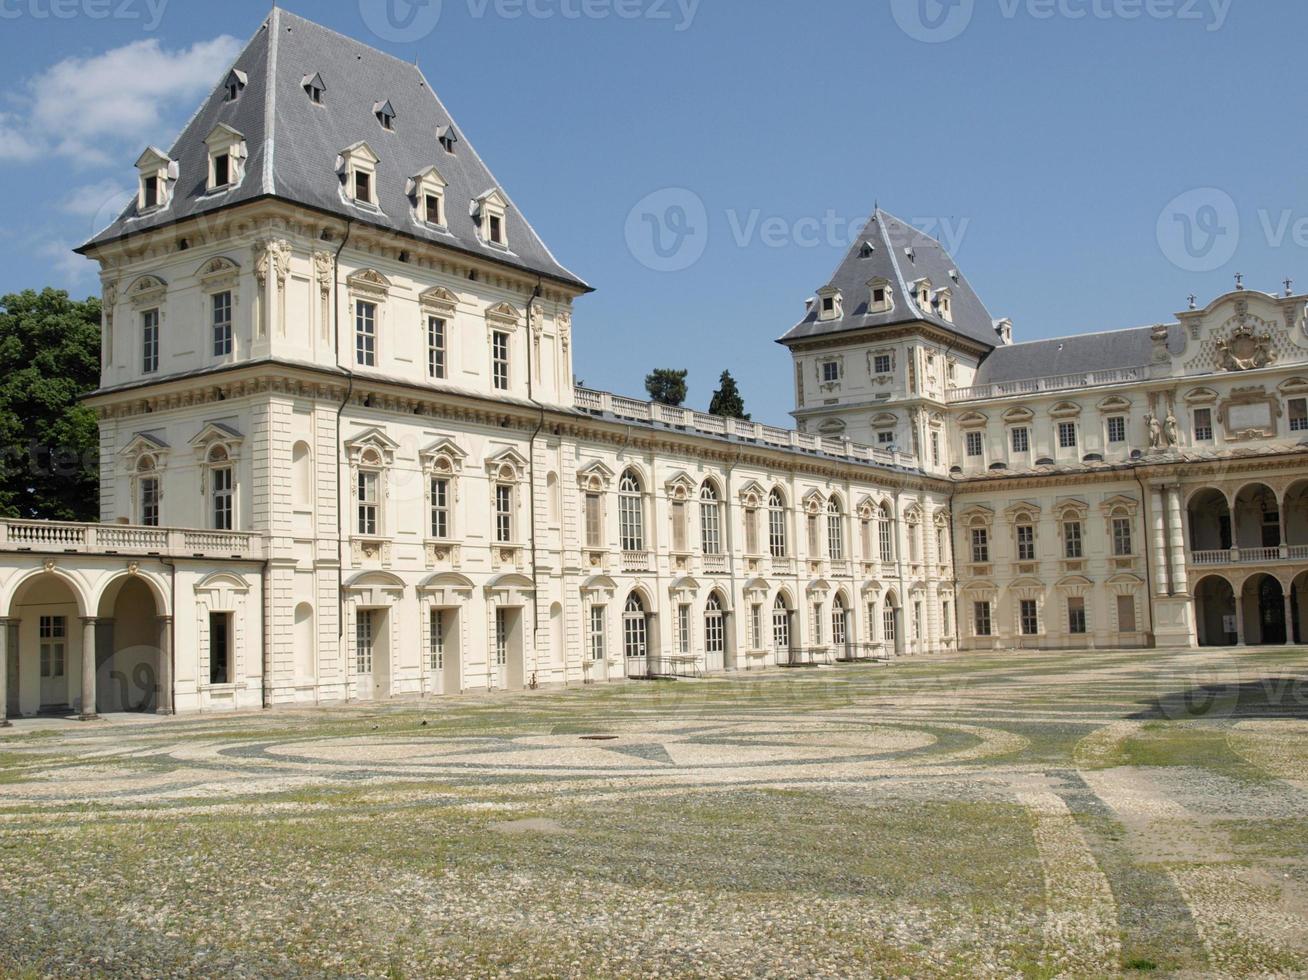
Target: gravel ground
[(976, 816)]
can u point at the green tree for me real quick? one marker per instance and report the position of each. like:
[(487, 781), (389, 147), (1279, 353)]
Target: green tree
[(49, 443), (666, 386), (727, 402)]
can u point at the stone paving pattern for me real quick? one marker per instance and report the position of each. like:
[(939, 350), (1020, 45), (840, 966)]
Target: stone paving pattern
[(1030, 815)]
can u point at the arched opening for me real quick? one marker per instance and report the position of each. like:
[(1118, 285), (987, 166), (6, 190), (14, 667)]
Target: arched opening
[(635, 636), (1214, 601), (1264, 604), (715, 634), (44, 650), (841, 631), (1299, 608), (710, 522), (1210, 524), (306, 646), (835, 530), (1296, 520), (302, 491), (553, 496), (1257, 518), (556, 634), (892, 627), (777, 543), (127, 647), (782, 634), (631, 513)]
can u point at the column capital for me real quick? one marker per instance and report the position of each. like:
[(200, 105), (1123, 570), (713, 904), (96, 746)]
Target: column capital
[(164, 620), (92, 620)]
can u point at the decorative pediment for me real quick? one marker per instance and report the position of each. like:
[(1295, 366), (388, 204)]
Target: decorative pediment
[(491, 199), (370, 282), (753, 495), (684, 589), (217, 434), (1114, 403), (1072, 509), (1120, 502), (975, 513), (1200, 396), (818, 587), (1027, 588), (757, 589), (153, 160), (504, 315), (914, 514), (147, 291), (222, 582), (681, 486), (1293, 386), (222, 136), (972, 420), (981, 589), (427, 178), (867, 509), (814, 502), (446, 587), (439, 300), (218, 271), (599, 587), (1065, 410), (360, 152), (508, 465), (443, 456), (1022, 512), (1074, 585), (885, 420), (371, 446), (144, 445), (595, 477), (1016, 416)]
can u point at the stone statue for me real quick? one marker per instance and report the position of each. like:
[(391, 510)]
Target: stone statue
[(1173, 430), (1155, 431)]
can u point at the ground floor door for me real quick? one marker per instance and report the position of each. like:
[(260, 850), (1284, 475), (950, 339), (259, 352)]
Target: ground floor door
[(53, 638), (372, 655), (444, 657), (715, 636)]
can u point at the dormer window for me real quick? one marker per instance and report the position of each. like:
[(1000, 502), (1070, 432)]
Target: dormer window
[(363, 186), (235, 81), (385, 114), (156, 172), (447, 138), (226, 154), (880, 297), (944, 305), (491, 210), (315, 87), (830, 303), (357, 166), (867, 250), (427, 191)]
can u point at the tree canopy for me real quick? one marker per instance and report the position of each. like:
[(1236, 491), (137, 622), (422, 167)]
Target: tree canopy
[(727, 401), (49, 443), (666, 386)]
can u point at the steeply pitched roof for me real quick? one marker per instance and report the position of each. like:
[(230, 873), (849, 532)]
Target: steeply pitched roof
[(901, 255), (1082, 353), (293, 144)]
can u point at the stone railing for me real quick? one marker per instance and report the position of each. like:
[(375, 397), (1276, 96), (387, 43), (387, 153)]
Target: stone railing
[(1033, 386), (604, 403), (1249, 556), (124, 539)]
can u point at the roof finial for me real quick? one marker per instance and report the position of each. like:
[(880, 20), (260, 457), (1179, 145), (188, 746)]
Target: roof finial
[(1239, 280), (1289, 287), (1194, 301)]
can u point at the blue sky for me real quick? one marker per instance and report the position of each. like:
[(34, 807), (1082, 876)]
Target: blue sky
[(1094, 162)]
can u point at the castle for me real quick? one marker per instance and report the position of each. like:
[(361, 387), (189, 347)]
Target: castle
[(342, 456)]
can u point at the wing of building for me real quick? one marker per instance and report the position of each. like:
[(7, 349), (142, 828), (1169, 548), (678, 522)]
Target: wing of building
[(343, 456)]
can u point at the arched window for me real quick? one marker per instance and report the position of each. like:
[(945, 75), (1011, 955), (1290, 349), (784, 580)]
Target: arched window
[(835, 531), (839, 622), (368, 492), (631, 520), (302, 476), (147, 481), (777, 525), (781, 626), (222, 489), (714, 634), (886, 533), (635, 629), (710, 520)]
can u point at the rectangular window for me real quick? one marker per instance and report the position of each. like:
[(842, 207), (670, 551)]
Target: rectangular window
[(889, 625), (501, 637), (365, 334), (980, 545), (751, 532), (500, 360), (54, 637), (503, 514), (222, 170), (975, 445), (598, 615), (1030, 616), (1072, 546), (1076, 616), (814, 551), (433, 210), (1203, 425), (830, 372), (981, 618), (777, 531), (1026, 543), (1122, 537), (151, 192), (683, 629), (220, 647), (679, 526), (756, 641), (1067, 435), (1021, 440), (437, 639), (882, 364), (710, 527), (221, 320), (368, 503), (1116, 429), (363, 641), (222, 498), (497, 229), (885, 438), (815, 615), (363, 187), (1299, 415), (836, 537), (887, 541), (935, 448), (440, 508), (150, 341), (1126, 614), (435, 347), (150, 501), (594, 505)]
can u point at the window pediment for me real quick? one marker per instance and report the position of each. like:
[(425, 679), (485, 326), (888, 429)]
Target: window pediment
[(146, 292), (1293, 386), (1065, 410), (504, 315), (220, 272), (359, 152), (444, 455), (1120, 502), (885, 420), (1022, 512), (144, 446), (507, 465), (1114, 404), (753, 495), (977, 513), (1071, 510), (490, 211), (370, 282), (382, 446), (595, 476), (217, 434), (1015, 416), (814, 502), (867, 509), (439, 300), (973, 420), (681, 487)]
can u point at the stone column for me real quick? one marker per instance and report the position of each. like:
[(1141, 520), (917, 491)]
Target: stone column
[(1158, 518), (1289, 618), (1180, 584), (4, 673), (88, 670), (164, 705), (1239, 618)]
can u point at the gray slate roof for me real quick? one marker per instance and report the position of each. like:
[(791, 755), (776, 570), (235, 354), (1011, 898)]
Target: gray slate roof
[(888, 259), (1089, 352), (293, 144)]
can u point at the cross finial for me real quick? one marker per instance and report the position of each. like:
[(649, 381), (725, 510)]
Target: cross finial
[(1239, 280), (1289, 287), (1194, 301)]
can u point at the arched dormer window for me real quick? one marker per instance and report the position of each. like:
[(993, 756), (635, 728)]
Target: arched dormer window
[(778, 545), (631, 512)]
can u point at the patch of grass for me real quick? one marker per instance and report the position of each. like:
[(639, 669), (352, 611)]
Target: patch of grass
[(1191, 744)]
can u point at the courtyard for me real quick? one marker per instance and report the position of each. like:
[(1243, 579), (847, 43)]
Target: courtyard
[(1025, 815)]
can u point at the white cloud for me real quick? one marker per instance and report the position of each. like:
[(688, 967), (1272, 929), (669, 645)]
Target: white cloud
[(90, 200), (68, 269), (91, 108)]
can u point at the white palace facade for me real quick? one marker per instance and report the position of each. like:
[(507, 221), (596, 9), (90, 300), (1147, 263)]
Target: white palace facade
[(342, 456)]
